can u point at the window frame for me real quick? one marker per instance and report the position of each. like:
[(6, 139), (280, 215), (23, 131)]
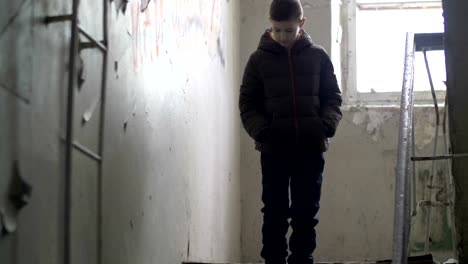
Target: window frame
[(349, 63)]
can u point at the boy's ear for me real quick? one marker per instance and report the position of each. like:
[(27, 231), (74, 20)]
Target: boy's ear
[(302, 22)]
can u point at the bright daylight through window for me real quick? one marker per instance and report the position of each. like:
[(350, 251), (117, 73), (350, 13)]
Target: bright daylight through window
[(381, 28)]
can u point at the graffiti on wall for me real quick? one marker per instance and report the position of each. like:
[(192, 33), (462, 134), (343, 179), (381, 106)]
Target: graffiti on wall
[(184, 25)]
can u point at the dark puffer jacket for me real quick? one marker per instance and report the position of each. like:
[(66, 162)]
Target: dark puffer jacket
[(289, 99)]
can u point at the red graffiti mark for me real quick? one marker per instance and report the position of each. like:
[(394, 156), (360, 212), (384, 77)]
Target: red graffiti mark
[(147, 30), (160, 19), (212, 15), (189, 23), (135, 31)]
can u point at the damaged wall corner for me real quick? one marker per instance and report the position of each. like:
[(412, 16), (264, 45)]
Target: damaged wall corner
[(19, 194), (456, 43), (121, 5)]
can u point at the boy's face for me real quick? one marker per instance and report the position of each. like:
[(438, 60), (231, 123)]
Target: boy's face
[(286, 32)]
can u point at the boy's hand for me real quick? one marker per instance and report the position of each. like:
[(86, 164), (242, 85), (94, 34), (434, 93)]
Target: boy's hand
[(327, 129)]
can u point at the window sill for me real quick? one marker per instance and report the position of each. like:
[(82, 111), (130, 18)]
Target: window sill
[(394, 105), (392, 99)]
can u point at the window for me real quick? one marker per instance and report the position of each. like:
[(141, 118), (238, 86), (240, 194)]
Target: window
[(376, 37)]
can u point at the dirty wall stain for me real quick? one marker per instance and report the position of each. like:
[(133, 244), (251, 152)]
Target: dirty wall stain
[(373, 119), (183, 26)]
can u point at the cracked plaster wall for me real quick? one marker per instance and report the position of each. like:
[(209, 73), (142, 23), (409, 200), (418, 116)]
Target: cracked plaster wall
[(171, 189)]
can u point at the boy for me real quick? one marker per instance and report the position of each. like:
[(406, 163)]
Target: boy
[(290, 105)]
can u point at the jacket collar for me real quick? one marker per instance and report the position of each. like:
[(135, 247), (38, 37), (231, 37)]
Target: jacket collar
[(267, 43)]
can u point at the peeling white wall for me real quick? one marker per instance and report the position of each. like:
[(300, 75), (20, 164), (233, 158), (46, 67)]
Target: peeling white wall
[(172, 177), (171, 186), (33, 58), (358, 193), (356, 215)]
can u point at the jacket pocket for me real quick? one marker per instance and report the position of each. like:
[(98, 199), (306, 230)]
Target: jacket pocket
[(312, 131)]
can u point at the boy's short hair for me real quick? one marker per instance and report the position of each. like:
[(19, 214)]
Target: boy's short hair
[(286, 10)]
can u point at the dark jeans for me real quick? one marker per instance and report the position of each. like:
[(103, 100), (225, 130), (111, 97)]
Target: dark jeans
[(302, 172)]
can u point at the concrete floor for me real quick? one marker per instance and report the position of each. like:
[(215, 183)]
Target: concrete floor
[(316, 263), (352, 262)]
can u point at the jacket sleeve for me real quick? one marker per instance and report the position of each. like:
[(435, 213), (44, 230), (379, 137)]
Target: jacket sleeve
[(330, 97), (251, 103)]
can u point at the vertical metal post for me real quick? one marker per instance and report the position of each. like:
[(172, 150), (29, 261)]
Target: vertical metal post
[(101, 128), (414, 202), (401, 220), (69, 132)]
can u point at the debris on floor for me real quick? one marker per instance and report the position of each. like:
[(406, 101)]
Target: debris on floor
[(425, 259), (451, 261)]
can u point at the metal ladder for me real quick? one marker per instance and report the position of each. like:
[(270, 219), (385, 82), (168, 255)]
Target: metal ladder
[(70, 143), (405, 185)]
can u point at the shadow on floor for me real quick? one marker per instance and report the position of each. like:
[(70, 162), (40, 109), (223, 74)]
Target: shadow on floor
[(426, 259)]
